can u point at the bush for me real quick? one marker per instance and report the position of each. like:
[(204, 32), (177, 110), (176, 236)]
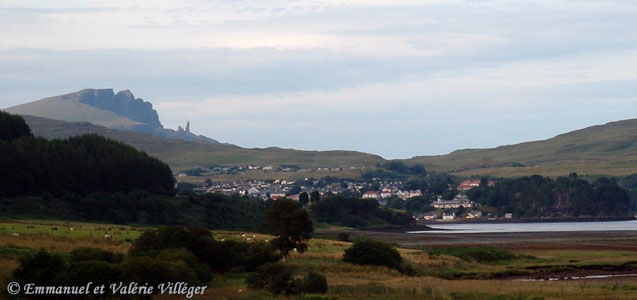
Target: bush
[(41, 268), (154, 271), (371, 252), (314, 283), (201, 271), (99, 272), (276, 278)]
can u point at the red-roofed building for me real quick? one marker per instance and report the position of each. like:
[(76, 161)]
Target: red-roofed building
[(469, 184)]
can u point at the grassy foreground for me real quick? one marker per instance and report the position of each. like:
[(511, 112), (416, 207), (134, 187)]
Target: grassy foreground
[(476, 274)]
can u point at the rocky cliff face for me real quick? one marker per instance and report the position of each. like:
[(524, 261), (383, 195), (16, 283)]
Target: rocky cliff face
[(123, 103)]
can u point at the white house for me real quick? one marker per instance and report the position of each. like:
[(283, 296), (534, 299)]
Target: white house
[(474, 214), (448, 216), (460, 200), (371, 195)]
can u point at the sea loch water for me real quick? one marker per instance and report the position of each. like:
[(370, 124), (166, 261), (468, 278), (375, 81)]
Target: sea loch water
[(531, 227)]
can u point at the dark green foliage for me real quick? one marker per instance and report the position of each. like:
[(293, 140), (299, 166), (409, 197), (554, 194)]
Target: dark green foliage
[(41, 268), (304, 198), (218, 256), (13, 127), (418, 204), (538, 196), (294, 190), (629, 183), (95, 254), (154, 271), (215, 211), (314, 283), (276, 278), (395, 203), (355, 212), (315, 196), (99, 272), (481, 255), (342, 236), (290, 224), (80, 165), (373, 252), (201, 271)]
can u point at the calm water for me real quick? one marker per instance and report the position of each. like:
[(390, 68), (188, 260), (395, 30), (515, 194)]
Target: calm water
[(532, 227)]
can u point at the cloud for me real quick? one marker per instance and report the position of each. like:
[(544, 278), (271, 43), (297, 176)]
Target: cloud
[(398, 78)]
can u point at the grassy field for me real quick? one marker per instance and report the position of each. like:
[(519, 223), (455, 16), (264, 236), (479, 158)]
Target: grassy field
[(348, 281)]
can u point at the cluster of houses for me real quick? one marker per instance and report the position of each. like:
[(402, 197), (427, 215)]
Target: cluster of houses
[(220, 170), (444, 210)]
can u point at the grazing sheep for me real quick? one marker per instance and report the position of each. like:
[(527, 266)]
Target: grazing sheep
[(107, 236), (15, 234)]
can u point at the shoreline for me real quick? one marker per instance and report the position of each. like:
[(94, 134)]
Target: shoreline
[(530, 220)]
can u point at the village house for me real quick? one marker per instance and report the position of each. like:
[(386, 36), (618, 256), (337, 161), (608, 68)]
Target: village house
[(459, 200), (448, 216), (385, 193), (474, 214), (371, 195), (469, 184)]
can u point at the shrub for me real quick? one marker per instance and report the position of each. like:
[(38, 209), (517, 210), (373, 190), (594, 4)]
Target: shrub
[(154, 271), (99, 272), (41, 268), (314, 283), (201, 271), (371, 252), (276, 278)]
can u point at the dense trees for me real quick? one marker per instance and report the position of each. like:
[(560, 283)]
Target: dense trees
[(13, 127), (80, 165), (355, 212), (538, 196), (291, 225)]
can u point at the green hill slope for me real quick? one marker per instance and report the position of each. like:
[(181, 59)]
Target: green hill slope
[(182, 155), (60, 108), (609, 149)]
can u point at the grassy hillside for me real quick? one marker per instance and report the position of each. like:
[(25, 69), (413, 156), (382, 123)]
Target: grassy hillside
[(182, 155), (61, 108), (609, 149)]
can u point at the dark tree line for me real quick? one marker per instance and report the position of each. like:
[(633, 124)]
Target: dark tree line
[(355, 212), (538, 196), (79, 165)]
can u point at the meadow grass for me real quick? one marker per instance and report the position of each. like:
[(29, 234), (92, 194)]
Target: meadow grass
[(349, 281)]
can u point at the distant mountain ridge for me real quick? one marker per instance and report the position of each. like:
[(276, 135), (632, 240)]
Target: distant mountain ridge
[(119, 111), (609, 149)]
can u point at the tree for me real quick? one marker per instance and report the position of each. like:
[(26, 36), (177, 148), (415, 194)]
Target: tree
[(290, 224), (13, 127), (304, 198), (315, 196)]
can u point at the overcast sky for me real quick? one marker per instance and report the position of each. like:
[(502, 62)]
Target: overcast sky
[(394, 78)]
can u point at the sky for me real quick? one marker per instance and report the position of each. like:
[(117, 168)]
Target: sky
[(397, 78)]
